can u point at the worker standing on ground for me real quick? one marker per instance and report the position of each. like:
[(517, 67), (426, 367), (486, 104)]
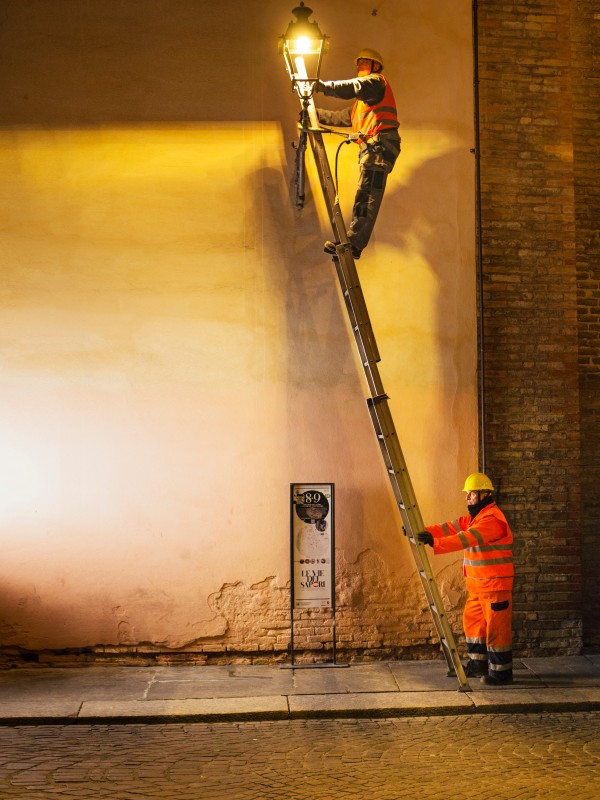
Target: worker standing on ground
[(486, 538), (374, 121)]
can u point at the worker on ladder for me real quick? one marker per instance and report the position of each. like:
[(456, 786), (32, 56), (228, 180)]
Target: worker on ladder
[(486, 538), (374, 122)]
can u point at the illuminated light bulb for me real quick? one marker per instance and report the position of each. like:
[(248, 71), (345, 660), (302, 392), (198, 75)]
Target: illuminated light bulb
[(303, 45)]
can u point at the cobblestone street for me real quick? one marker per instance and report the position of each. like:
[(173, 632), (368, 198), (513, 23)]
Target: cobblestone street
[(479, 757)]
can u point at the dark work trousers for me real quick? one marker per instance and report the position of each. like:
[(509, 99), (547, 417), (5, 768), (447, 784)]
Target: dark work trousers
[(376, 162)]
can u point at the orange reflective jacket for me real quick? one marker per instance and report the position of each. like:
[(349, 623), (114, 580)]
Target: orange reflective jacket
[(488, 543), (370, 120)]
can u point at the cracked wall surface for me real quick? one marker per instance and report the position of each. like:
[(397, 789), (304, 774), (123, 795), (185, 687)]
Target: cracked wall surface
[(378, 612)]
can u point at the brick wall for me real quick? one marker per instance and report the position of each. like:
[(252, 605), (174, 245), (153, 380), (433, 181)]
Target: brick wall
[(540, 278), (585, 48)]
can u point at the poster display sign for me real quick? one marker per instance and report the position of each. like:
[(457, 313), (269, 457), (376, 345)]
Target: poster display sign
[(312, 544)]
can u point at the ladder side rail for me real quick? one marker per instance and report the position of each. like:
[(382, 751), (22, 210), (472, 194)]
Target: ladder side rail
[(380, 411), (447, 645), (370, 368), (349, 281), (438, 612), (413, 523), (345, 265), (365, 343), (327, 185)]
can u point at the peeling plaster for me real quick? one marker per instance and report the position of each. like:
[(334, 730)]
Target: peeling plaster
[(374, 606)]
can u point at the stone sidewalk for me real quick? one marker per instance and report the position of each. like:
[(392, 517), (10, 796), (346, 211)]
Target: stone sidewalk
[(110, 694)]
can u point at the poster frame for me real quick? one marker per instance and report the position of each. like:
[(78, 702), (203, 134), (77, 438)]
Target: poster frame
[(328, 489)]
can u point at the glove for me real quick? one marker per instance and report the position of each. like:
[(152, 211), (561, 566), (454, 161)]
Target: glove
[(322, 86), (424, 537)]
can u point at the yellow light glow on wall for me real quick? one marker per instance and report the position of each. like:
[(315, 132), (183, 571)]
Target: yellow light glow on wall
[(24, 478)]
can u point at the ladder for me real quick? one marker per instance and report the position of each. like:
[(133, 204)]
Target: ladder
[(377, 403)]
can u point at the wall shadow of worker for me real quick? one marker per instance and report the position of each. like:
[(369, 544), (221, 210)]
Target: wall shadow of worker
[(329, 434), (431, 230)]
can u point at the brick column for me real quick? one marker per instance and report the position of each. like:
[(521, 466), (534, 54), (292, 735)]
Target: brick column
[(585, 48), (530, 309)]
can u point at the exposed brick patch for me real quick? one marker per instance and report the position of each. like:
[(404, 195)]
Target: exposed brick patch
[(379, 615)]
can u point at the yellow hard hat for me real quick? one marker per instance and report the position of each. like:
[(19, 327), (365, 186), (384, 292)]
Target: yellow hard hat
[(478, 482), (372, 55)]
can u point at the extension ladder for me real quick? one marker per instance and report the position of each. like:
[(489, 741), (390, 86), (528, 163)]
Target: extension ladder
[(377, 403)]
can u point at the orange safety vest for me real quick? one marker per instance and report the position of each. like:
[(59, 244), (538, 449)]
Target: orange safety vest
[(370, 120), (488, 543)]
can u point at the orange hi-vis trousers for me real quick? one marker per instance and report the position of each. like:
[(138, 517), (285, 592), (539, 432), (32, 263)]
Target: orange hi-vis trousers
[(487, 621)]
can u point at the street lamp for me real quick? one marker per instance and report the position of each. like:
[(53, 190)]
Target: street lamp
[(303, 46)]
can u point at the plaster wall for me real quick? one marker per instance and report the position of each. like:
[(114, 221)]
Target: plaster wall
[(174, 348)]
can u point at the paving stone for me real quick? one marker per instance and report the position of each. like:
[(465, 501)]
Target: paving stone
[(341, 680), (79, 683), (14, 710), (225, 707), (544, 699), (471, 756), (206, 682), (390, 703), (423, 676), (565, 671)]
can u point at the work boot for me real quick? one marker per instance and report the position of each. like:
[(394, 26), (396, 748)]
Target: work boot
[(476, 669), (498, 678), (329, 247)]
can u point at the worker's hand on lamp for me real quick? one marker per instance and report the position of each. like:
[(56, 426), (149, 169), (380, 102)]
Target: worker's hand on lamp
[(424, 537)]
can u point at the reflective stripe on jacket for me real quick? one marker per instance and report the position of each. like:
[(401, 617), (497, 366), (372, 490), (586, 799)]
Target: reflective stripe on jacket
[(370, 120), (488, 544)]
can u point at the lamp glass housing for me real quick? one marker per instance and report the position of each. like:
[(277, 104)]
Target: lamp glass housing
[(303, 46)]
